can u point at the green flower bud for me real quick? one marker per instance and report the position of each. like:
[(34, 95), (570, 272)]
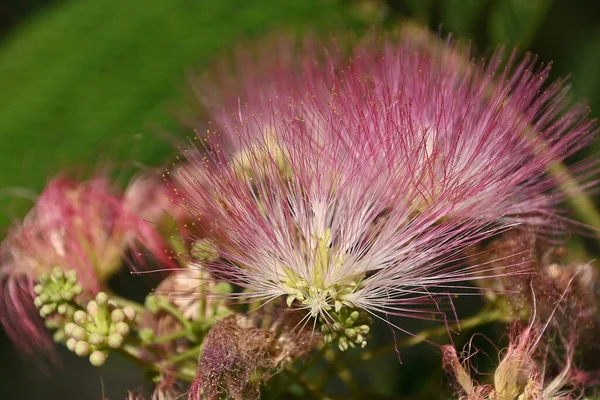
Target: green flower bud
[(71, 276), (96, 339), (44, 298), (80, 317), (59, 336), (92, 308), (62, 309), (44, 278), (350, 333), (58, 274), (117, 315), (69, 327), (102, 299), (343, 344), (47, 309), (115, 340), (360, 340), (51, 323), (98, 358), (37, 302), (67, 295), (82, 348), (77, 290), (122, 328), (71, 344), (79, 333), (38, 289), (129, 313), (364, 329)]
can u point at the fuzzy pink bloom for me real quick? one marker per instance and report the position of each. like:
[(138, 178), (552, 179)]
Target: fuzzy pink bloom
[(81, 226), (486, 134), (360, 184)]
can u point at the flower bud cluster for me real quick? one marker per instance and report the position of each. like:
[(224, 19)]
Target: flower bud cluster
[(101, 327), (55, 299), (55, 291), (350, 328)]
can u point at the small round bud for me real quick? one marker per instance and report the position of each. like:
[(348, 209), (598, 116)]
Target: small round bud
[(115, 340), (102, 299), (82, 348), (38, 303), (80, 317), (96, 339), (44, 278), (343, 344), (350, 333), (364, 329), (92, 308), (354, 315), (38, 289), (51, 323), (58, 274), (117, 315), (62, 309), (328, 338), (69, 327), (359, 339), (71, 344), (47, 309), (71, 276), (129, 313), (67, 295), (44, 297), (59, 336), (122, 328), (77, 290), (55, 297), (78, 333), (97, 358)]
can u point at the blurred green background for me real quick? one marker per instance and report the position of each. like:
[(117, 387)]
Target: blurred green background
[(84, 82)]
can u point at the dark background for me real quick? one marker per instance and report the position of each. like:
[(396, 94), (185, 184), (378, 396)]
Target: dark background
[(84, 82)]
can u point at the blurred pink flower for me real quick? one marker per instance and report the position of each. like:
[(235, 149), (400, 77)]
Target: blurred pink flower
[(74, 225)]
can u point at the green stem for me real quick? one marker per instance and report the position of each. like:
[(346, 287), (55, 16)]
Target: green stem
[(174, 311), (192, 353), (485, 316), (174, 336)]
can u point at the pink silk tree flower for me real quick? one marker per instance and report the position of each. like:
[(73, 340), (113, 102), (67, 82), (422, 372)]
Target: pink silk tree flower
[(486, 133), (74, 225), (358, 184), (295, 213)]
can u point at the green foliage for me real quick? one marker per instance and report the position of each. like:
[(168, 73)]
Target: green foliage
[(88, 81)]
